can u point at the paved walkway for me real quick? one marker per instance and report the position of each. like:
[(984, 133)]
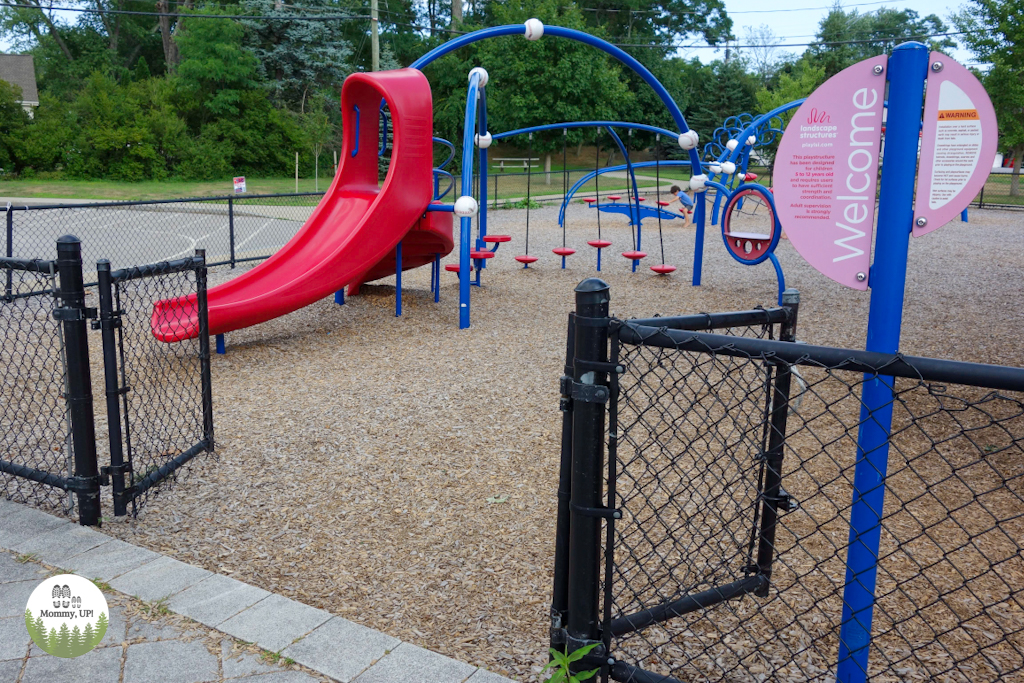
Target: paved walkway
[(171, 622)]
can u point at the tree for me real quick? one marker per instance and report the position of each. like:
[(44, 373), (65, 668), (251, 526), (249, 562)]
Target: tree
[(88, 636), (63, 640), (663, 22), (215, 70), (13, 120), (994, 33), (764, 56), (532, 82), (297, 57), (846, 38), (101, 627), (317, 125)]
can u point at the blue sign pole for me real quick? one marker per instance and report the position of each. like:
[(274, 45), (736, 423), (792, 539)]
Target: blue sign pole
[(908, 68)]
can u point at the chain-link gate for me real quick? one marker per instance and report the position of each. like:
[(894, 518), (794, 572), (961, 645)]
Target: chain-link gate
[(158, 396), (727, 506)]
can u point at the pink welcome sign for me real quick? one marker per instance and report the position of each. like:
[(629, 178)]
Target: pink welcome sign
[(958, 143), (826, 172)]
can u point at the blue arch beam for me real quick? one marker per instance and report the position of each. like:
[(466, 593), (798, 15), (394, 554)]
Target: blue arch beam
[(580, 37), (587, 124), (590, 176)]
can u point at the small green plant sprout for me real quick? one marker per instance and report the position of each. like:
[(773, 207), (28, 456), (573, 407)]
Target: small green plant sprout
[(560, 663), (26, 557)]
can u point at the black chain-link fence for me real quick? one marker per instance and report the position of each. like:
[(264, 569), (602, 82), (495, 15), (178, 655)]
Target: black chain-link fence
[(731, 512), (231, 229), (156, 380), (35, 429)]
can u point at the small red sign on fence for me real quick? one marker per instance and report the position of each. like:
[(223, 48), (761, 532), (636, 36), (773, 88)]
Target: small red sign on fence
[(240, 185)]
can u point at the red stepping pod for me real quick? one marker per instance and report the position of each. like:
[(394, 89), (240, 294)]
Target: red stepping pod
[(664, 203), (635, 255), (600, 244), (526, 259), (563, 251), (492, 239), (750, 176), (615, 197), (641, 199), (452, 267), (481, 254), (663, 269), (589, 200)]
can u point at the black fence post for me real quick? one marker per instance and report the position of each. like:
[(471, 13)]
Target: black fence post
[(109, 321), (560, 591), (204, 351), (981, 199), (589, 391), (773, 495), (73, 314), (9, 251), (495, 190), (231, 228)]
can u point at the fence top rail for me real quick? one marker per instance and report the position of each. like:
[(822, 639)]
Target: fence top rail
[(150, 202), (161, 268), (33, 265), (717, 321), (848, 360)]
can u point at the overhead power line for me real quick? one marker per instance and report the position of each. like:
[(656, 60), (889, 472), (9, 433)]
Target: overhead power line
[(359, 17)]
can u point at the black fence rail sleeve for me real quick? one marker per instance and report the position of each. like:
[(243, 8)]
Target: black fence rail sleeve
[(716, 321), (161, 268), (231, 229), (771, 473), (9, 251), (851, 360), (109, 320), (588, 433), (73, 313), (560, 592), (156, 202), (32, 474), (204, 350)]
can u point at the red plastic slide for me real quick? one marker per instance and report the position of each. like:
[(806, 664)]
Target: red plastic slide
[(356, 226)]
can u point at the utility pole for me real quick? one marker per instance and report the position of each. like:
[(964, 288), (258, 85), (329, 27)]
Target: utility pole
[(374, 38)]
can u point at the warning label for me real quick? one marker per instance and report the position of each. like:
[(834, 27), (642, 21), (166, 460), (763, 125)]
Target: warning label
[(958, 115)]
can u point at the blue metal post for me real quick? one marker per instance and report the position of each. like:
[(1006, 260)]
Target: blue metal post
[(220, 344), (908, 68), (465, 224), (963, 215), (779, 275), (437, 278), (698, 237), (339, 297), (599, 259), (482, 130), (398, 280)]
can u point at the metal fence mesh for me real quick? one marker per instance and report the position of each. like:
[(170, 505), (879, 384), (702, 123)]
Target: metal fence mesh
[(689, 467), (162, 408), (34, 427), (137, 232)]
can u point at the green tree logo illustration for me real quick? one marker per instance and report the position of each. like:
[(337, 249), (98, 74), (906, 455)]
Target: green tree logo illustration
[(66, 616)]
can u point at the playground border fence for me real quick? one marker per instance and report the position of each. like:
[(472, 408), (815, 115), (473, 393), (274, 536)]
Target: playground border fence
[(158, 397), (712, 543)]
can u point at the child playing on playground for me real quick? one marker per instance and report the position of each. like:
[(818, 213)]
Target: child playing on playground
[(685, 203)]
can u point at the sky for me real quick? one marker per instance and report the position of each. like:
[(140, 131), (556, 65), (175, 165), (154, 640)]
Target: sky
[(796, 21)]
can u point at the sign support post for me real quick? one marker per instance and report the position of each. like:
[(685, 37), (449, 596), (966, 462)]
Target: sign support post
[(908, 69)]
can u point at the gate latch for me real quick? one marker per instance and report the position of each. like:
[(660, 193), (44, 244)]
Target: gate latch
[(588, 393), (73, 314), (783, 501)]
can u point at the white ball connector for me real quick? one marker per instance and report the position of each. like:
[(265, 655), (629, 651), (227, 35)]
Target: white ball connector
[(732, 144), (483, 142), (689, 139), (483, 74), (534, 29), (465, 207), (715, 167), (751, 141), (728, 168), (697, 182)]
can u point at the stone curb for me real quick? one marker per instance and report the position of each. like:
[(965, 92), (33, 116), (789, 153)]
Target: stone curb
[(330, 645)]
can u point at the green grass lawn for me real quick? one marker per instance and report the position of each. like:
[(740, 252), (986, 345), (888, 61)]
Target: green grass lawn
[(163, 189)]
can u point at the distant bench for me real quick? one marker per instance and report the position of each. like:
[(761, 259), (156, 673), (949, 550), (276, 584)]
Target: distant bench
[(527, 162)]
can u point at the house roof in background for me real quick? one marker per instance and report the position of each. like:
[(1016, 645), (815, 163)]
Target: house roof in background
[(20, 70)]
